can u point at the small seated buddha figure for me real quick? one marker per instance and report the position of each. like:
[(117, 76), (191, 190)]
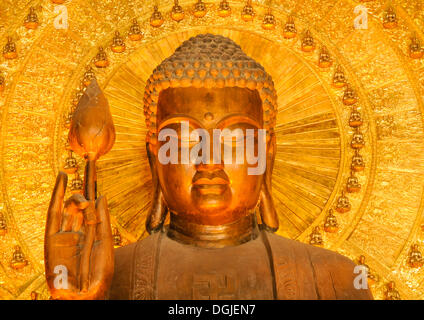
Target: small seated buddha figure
[(3, 225), (390, 19), (349, 96), (101, 60), (324, 59), (339, 79), (315, 238), (391, 292), (88, 76), (68, 119), (156, 20), (224, 9), (118, 44), (2, 82), (330, 224), (31, 20), (357, 139), (372, 278), (76, 184), (269, 21), (117, 239), (355, 119), (199, 9), (9, 50), (308, 43), (135, 33), (415, 49), (352, 185), (34, 295), (343, 204), (213, 247), (18, 259), (289, 31), (358, 163), (71, 165), (247, 14), (177, 12), (415, 259)]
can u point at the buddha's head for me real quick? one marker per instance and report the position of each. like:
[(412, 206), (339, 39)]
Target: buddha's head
[(210, 111)]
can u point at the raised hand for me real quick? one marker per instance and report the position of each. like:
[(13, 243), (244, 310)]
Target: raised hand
[(78, 249)]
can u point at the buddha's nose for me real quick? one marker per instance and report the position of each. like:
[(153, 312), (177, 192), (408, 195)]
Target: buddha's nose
[(209, 166)]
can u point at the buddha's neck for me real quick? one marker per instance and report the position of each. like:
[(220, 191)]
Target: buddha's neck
[(208, 236)]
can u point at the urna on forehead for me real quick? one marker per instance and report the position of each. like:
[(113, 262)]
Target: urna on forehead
[(209, 61)]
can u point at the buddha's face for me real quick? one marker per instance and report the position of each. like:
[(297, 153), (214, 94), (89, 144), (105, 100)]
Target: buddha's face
[(209, 193)]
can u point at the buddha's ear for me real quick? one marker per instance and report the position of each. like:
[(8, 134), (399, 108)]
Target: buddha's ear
[(158, 210), (267, 211)]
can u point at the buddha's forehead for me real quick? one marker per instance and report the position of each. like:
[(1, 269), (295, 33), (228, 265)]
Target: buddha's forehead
[(202, 103)]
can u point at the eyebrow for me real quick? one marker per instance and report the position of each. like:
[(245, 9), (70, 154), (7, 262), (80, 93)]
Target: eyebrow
[(237, 118), (175, 119)]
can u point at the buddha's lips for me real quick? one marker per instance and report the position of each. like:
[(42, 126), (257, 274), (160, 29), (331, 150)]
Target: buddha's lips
[(210, 178)]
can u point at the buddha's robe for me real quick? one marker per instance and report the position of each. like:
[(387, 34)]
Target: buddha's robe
[(268, 267)]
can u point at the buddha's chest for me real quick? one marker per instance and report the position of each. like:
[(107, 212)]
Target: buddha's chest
[(186, 272)]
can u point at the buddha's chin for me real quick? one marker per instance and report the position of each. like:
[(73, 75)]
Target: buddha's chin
[(211, 200)]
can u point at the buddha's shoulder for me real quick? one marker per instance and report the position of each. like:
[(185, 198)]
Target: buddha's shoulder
[(333, 274), (318, 256)]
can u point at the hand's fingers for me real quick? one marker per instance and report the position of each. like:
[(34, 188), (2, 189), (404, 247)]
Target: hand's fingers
[(67, 221), (104, 230), (54, 213), (103, 255)]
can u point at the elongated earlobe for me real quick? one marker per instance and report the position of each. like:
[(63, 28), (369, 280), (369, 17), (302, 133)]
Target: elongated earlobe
[(157, 214), (267, 210)]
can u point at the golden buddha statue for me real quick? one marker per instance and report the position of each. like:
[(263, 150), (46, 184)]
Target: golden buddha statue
[(390, 19), (415, 49), (71, 165), (330, 224), (358, 163), (372, 278), (315, 238), (349, 96), (199, 9), (177, 12), (34, 295), (135, 33), (324, 59), (212, 205), (308, 43), (342, 204), (339, 79), (31, 20), (224, 9), (156, 20), (76, 184), (391, 293), (355, 119), (352, 184), (415, 259), (101, 60), (118, 44), (247, 14), (18, 259), (289, 31), (88, 76), (269, 21), (357, 140), (117, 239), (9, 50), (3, 225)]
